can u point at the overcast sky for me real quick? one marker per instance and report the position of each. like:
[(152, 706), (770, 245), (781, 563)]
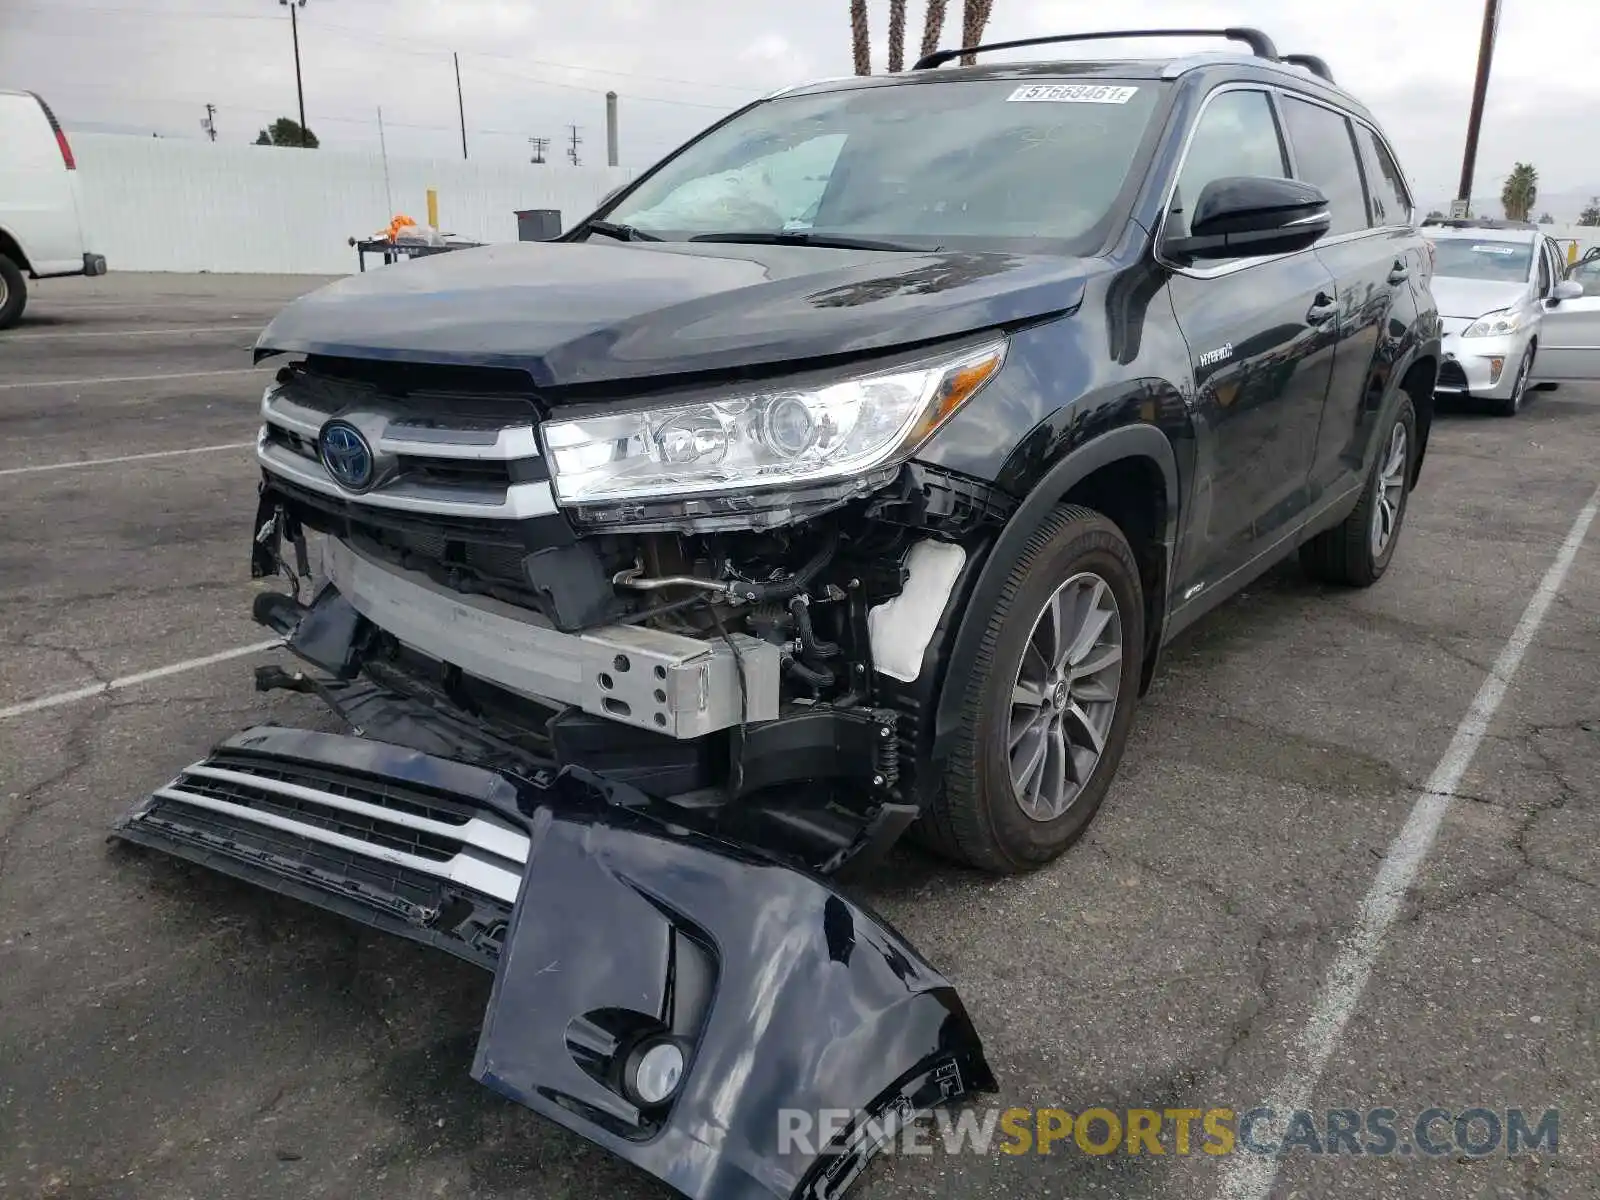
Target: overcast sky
[(534, 67)]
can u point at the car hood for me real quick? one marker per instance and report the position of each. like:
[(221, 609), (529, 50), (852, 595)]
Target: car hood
[(591, 312), (1471, 298)]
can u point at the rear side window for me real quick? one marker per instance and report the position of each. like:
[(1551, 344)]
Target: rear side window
[(1325, 156), (1237, 135), (1391, 202)]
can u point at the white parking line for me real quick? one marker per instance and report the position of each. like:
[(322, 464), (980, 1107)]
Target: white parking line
[(123, 458), (127, 681), (245, 327), (1251, 1177), (44, 383)]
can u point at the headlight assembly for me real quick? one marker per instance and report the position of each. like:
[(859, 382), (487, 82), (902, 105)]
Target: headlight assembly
[(775, 437), (1495, 324)]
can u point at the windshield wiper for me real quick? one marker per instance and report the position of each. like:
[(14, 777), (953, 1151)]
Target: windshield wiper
[(801, 237), (623, 233)]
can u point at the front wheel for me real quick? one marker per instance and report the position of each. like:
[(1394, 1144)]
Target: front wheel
[(1049, 702), (1357, 551), (13, 292)]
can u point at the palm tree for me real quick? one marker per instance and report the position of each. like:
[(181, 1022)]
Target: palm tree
[(974, 17), (897, 35), (1520, 192), (933, 26), (859, 44)]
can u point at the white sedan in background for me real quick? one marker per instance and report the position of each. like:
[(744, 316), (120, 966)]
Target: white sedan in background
[(1511, 314)]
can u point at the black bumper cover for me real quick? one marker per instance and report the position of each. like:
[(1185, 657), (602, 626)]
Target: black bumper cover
[(629, 928)]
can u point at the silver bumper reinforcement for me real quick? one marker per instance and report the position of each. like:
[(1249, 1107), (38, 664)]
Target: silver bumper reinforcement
[(678, 686)]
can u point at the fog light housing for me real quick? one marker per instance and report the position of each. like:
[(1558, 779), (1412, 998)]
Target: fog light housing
[(1496, 365), (654, 1072)]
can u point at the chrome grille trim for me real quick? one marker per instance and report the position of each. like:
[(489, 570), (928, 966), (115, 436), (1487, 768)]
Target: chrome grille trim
[(517, 502), (474, 866)]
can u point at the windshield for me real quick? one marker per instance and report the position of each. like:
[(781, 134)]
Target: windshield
[(1470, 258), (965, 164)]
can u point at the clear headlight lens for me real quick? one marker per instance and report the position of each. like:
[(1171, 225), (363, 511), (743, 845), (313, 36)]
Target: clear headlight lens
[(1495, 324), (780, 437)]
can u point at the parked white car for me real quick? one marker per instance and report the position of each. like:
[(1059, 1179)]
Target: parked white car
[(40, 234), (1503, 295)]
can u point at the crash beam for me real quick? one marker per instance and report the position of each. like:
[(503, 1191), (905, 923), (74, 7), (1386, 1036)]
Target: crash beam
[(678, 686)]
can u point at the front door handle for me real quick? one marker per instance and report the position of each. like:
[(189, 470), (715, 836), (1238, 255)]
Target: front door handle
[(1322, 311), (1400, 274)]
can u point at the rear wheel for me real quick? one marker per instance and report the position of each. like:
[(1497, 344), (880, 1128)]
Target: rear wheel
[(1512, 404), (13, 292), (1357, 551), (1049, 702)]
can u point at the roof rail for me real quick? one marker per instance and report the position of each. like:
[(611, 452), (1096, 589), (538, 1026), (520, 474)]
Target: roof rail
[(1260, 44), (1311, 63)]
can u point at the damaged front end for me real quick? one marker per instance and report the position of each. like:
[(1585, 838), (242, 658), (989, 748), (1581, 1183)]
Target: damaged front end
[(606, 750)]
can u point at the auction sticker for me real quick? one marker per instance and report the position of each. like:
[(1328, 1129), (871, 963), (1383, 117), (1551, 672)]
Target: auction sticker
[(1075, 93), (1495, 248)]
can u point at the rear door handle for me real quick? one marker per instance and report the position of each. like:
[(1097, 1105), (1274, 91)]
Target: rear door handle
[(1400, 274), (1323, 311)]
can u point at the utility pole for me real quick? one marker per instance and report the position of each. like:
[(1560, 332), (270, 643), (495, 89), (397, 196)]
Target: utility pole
[(1480, 90), (461, 108), (209, 124), (611, 129), (383, 149), (299, 90), (575, 141), (540, 145)]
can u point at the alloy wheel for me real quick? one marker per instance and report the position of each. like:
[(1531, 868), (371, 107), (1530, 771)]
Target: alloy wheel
[(1391, 492), (1521, 385), (1065, 696)]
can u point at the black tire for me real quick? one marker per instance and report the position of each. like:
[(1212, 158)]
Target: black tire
[(1511, 405), (1344, 554), (976, 817), (13, 292)]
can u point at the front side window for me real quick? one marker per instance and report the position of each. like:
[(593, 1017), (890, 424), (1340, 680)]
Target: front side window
[(1483, 258), (1236, 135), (1325, 156), (961, 164), (1391, 201)]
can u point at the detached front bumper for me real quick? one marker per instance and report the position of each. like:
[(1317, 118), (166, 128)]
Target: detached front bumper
[(611, 930), (1484, 367)]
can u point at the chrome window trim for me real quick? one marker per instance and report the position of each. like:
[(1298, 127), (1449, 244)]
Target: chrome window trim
[(1276, 93)]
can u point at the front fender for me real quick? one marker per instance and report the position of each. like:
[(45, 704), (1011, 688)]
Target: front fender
[(1045, 487)]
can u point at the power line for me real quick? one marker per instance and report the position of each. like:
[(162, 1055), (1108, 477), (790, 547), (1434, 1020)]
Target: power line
[(572, 148), (369, 36)]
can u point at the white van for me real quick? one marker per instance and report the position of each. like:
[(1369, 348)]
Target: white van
[(39, 232)]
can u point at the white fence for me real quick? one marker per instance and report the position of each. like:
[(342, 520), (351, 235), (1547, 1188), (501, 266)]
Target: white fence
[(158, 204)]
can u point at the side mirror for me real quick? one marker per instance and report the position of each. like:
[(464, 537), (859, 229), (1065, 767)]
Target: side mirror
[(1567, 289), (1243, 216)]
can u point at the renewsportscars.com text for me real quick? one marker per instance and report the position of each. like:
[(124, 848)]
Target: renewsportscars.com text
[(1435, 1131)]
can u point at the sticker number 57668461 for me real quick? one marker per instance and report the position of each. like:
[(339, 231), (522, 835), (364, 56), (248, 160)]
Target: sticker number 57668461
[(1075, 93)]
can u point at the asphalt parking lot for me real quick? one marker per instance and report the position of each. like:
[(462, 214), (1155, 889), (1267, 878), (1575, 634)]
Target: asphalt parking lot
[(165, 1033)]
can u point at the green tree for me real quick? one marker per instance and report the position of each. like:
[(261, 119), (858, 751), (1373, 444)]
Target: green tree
[(1547, 219), (1591, 215), (1435, 215), (287, 132), (1520, 192)]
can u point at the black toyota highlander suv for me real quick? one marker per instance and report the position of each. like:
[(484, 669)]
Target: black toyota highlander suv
[(935, 402), (844, 474)]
